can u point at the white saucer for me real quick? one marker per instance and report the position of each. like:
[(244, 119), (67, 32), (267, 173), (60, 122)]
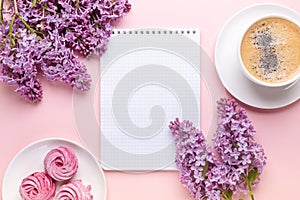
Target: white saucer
[(30, 160), (227, 63)]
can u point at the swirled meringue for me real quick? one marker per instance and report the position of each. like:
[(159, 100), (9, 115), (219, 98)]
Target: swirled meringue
[(61, 163), (74, 190), (37, 186)]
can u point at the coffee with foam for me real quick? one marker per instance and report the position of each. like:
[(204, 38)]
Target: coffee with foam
[(270, 50)]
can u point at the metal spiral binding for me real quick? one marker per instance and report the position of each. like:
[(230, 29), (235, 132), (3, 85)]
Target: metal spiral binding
[(153, 32)]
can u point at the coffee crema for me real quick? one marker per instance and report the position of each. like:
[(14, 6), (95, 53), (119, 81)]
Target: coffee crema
[(270, 50)]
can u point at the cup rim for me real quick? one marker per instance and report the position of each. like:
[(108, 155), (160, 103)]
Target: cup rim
[(242, 66)]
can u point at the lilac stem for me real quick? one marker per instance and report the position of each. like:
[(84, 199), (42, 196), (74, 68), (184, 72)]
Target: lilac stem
[(16, 7), (250, 191), (1, 9), (22, 20), (29, 28), (12, 41), (26, 25)]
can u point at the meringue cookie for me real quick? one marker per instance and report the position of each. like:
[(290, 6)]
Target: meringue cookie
[(74, 190), (61, 163), (37, 186)]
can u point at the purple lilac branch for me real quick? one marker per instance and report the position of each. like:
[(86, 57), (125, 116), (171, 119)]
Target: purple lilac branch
[(241, 158), (235, 143), (45, 34), (200, 171)]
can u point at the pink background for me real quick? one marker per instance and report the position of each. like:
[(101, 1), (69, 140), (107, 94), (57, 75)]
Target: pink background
[(277, 130)]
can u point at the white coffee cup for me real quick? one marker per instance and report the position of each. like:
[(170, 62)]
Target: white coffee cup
[(253, 78)]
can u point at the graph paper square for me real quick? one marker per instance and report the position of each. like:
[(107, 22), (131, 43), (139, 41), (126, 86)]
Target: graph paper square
[(148, 78)]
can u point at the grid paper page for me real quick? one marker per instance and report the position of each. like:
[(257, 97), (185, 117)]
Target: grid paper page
[(148, 78)]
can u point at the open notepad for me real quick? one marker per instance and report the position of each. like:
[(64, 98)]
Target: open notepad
[(148, 78)]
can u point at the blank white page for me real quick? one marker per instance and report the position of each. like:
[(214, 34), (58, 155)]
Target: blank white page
[(148, 78)]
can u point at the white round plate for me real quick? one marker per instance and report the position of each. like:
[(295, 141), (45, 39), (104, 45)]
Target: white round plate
[(227, 63), (31, 158)]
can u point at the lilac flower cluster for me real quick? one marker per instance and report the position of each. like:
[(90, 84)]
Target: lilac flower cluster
[(211, 177), (19, 63), (62, 64), (200, 171), (83, 25), (234, 141), (44, 34)]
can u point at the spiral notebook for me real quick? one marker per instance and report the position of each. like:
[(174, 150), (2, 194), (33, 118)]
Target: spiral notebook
[(148, 78)]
